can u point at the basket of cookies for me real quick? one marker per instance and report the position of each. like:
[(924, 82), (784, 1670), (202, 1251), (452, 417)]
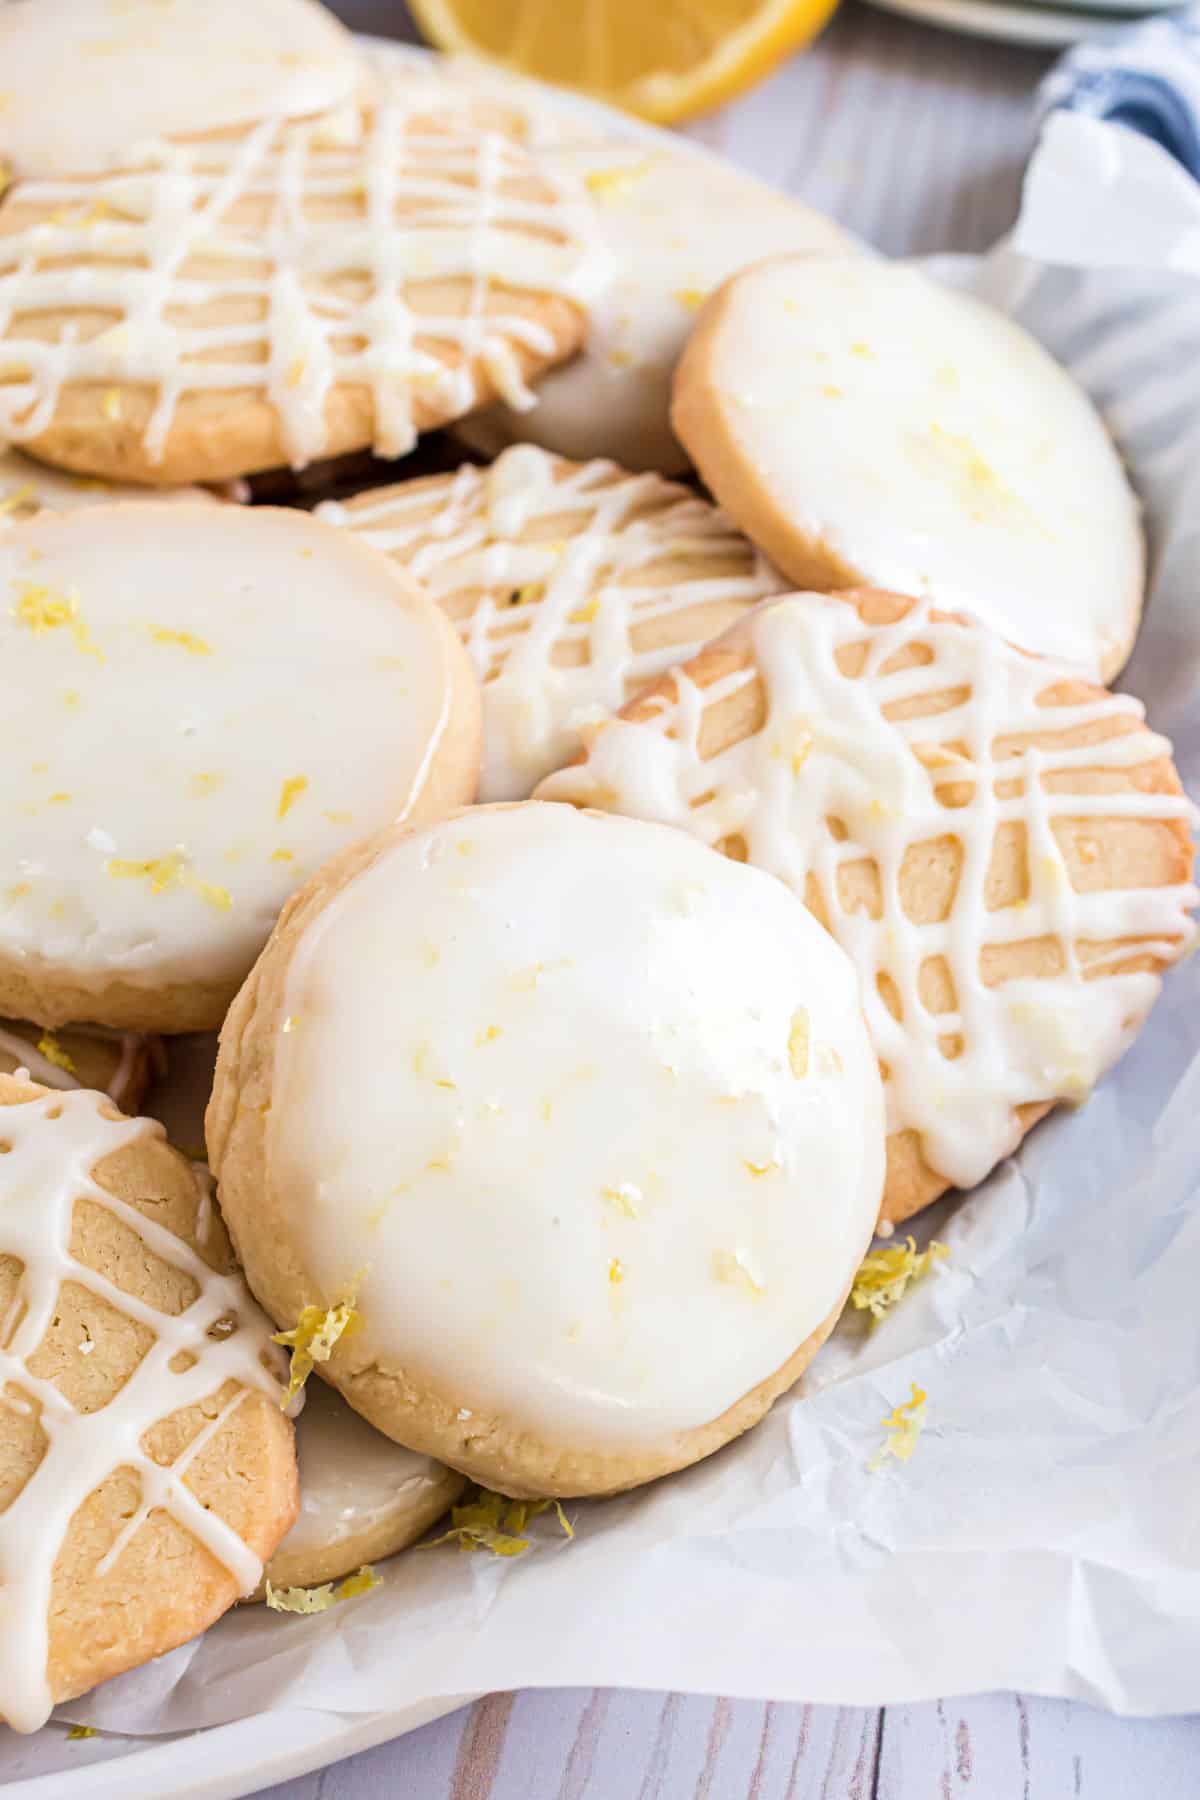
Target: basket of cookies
[(591, 1059)]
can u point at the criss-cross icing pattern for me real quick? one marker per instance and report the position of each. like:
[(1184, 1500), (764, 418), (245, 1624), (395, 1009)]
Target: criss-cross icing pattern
[(967, 827), (51, 1145), (41, 1068), (571, 584), (367, 249)]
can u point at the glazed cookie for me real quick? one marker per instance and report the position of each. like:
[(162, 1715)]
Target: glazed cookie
[(209, 706), (120, 1064), (83, 79), (571, 584), (581, 1119), (362, 1497), (146, 1469), (28, 487), (1000, 847), (283, 292), (865, 424)]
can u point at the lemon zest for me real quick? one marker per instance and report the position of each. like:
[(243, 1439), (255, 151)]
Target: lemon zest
[(311, 1341), (52, 1050), (81, 1731), (609, 185), (884, 1276), (320, 1599), (22, 496), (692, 299), (490, 1521), (184, 640), (289, 793), (903, 1425), (616, 1271), (798, 1043), (40, 609)]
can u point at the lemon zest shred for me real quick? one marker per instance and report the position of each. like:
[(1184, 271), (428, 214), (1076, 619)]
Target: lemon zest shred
[(311, 1341), (884, 1276), (289, 793), (903, 1425), (690, 298), (798, 1043), (49, 1047), (40, 609), (609, 185), (183, 640), (80, 1731), (329, 1593), (490, 1521)]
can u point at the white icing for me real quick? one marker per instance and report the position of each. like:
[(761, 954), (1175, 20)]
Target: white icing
[(80, 80), (586, 548), (352, 1478), (828, 749), (249, 269), (230, 706), (51, 1074), (931, 444), (28, 487), (566, 1169), (52, 1144)]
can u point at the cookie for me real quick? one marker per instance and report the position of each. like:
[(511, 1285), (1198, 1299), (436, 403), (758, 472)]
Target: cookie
[(362, 1497), (283, 292), (209, 704), (84, 79), (580, 1119), (867, 425), (120, 1064), (28, 487), (571, 585), (146, 1468), (1001, 847)]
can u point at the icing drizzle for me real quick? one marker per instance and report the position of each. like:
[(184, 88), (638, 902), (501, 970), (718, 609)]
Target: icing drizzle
[(570, 584), (40, 1068), (950, 749), (52, 1144), (317, 244)]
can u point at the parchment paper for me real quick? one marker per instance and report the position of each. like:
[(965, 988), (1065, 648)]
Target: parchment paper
[(1046, 1533)]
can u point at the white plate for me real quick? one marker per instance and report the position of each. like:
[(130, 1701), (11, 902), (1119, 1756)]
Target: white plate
[(1049, 27)]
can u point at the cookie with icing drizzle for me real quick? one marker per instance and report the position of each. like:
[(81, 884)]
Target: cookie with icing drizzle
[(1002, 848), (866, 425), (362, 1497), (284, 291), (140, 1424), (83, 79), (120, 1064), (604, 1149), (571, 585), (209, 705)]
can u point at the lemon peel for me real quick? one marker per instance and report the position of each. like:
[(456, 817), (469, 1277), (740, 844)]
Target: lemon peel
[(798, 1039), (49, 1047), (182, 640), (311, 1341), (903, 1425), (40, 610), (80, 1731), (884, 1276), (329, 1593), (289, 793), (166, 871), (490, 1521)]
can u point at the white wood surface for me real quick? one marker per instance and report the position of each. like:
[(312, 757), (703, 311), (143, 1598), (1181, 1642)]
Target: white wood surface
[(916, 140)]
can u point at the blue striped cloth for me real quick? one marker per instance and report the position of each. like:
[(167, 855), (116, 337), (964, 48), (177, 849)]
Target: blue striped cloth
[(1147, 78)]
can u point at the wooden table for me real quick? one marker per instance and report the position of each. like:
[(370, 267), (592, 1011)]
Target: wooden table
[(916, 140)]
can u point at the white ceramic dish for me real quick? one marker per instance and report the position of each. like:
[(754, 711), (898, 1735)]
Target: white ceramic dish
[(1044, 27)]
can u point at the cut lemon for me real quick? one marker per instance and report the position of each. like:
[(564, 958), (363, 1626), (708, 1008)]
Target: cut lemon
[(666, 59)]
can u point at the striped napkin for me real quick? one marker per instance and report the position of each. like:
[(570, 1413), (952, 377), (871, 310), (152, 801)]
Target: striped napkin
[(1146, 78)]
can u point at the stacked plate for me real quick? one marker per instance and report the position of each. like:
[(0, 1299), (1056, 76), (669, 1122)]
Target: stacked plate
[(1047, 23)]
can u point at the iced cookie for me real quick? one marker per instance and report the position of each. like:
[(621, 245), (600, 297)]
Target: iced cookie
[(146, 1470), (209, 704), (83, 79), (120, 1064), (571, 584), (283, 292), (362, 1497), (1001, 848), (579, 1118), (864, 424), (28, 487)]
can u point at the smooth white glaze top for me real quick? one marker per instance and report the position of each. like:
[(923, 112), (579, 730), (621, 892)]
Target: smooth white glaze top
[(933, 445), (606, 1142), (52, 1144), (28, 487), (204, 715), (352, 1478), (81, 80), (828, 749), (546, 590), (298, 243)]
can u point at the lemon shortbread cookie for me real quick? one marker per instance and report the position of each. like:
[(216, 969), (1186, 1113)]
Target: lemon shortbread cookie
[(362, 1497), (283, 292), (120, 1064), (146, 1468), (81, 80), (1000, 847), (864, 424), (571, 584), (580, 1119), (208, 705), (28, 487)]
